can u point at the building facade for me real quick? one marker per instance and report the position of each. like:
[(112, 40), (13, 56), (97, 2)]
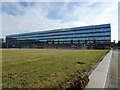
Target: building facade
[(87, 37), (1, 42)]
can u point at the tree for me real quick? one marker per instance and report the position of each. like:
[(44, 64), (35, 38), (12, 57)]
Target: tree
[(78, 41), (58, 41), (94, 43), (47, 42), (86, 42), (113, 44), (118, 44), (71, 41), (53, 42)]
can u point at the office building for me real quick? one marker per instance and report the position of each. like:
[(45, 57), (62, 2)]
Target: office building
[(86, 37)]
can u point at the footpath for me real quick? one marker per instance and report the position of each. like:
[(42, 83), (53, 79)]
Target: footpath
[(112, 79), (98, 77)]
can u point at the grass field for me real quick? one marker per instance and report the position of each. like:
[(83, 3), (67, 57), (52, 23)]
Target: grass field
[(44, 68)]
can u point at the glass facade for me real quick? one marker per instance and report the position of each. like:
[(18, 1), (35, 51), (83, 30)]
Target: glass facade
[(76, 35)]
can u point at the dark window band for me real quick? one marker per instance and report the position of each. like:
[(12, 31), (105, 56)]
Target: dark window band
[(59, 31)]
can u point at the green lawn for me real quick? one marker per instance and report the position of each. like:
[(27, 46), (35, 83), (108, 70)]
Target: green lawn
[(44, 68)]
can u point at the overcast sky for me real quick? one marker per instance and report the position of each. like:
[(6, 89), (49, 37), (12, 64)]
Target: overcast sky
[(22, 17)]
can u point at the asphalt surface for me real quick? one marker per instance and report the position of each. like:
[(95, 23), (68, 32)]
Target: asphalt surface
[(112, 77)]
